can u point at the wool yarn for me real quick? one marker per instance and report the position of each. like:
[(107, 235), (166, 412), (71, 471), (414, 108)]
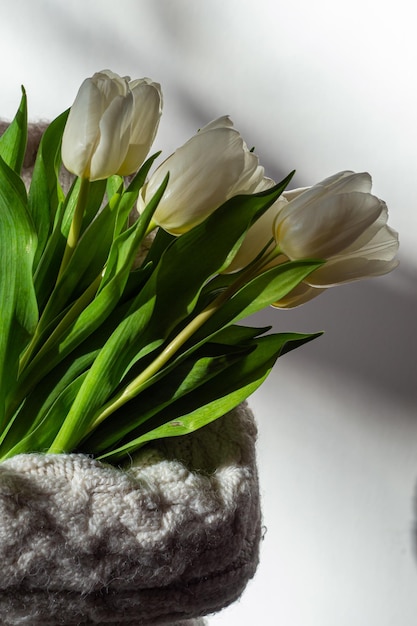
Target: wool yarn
[(173, 537)]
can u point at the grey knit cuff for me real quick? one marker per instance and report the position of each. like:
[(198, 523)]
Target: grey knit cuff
[(173, 537)]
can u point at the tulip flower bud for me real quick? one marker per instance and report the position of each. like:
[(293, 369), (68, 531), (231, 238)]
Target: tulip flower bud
[(340, 221), (111, 126), (337, 220), (207, 170)]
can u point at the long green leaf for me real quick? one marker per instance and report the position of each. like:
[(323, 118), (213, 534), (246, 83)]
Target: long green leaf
[(88, 259), (257, 294), (36, 403), (212, 400), (14, 139), (42, 431), (45, 193), (18, 307)]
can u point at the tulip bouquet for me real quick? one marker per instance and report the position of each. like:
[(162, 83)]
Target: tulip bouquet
[(119, 330)]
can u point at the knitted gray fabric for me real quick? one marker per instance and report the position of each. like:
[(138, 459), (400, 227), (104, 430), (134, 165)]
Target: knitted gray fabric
[(173, 537)]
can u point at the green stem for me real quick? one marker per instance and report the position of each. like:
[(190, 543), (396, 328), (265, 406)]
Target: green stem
[(27, 354), (151, 226), (135, 387), (76, 224), (267, 258)]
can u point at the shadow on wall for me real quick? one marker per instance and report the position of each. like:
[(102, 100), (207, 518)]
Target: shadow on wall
[(370, 332)]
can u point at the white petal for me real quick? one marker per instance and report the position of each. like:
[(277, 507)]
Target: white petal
[(368, 235), (114, 138), (343, 182), (299, 295), (147, 109), (81, 132), (111, 85), (201, 174), (291, 194), (375, 258), (338, 272), (331, 180), (264, 184), (324, 226), (251, 177), (257, 238), (351, 182), (220, 122)]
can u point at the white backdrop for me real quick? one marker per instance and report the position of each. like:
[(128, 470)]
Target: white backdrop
[(317, 86)]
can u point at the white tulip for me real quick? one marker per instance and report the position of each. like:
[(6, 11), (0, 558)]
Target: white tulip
[(211, 167), (287, 227), (327, 218), (340, 221), (111, 126)]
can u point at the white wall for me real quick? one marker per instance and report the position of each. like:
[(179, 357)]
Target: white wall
[(319, 86)]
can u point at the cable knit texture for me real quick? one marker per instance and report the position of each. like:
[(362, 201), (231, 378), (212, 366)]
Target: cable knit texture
[(174, 536)]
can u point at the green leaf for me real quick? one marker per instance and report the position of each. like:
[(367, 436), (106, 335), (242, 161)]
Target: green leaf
[(82, 322), (96, 191), (161, 242), (257, 294), (131, 194), (181, 380), (45, 193), (148, 325), (18, 305), (126, 243), (14, 139), (48, 268), (213, 399), (36, 406), (43, 429), (103, 378)]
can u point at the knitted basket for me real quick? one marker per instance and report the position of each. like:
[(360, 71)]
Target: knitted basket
[(173, 537)]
